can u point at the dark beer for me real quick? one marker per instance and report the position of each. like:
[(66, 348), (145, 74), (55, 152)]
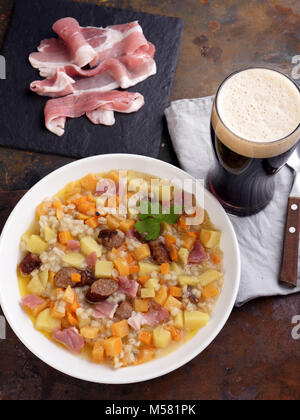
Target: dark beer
[(255, 147)]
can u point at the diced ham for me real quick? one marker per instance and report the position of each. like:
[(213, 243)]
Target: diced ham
[(155, 317), (91, 259), (136, 321), (32, 301), (69, 31), (73, 245), (128, 287), (70, 338), (105, 310), (73, 106), (198, 254)]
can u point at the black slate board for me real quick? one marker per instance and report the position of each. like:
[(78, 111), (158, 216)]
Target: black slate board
[(21, 119)]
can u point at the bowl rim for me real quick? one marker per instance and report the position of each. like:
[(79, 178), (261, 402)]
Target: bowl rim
[(168, 369)]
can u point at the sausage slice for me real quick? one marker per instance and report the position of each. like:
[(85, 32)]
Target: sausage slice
[(125, 310), (159, 252), (111, 238), (101, 289), (63, 278), (30, 263)]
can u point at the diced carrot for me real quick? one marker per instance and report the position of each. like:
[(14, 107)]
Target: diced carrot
[(87, 208), (215, 258), (120, 329), (143, 279), (134, 269), (210, 291), (175, 291), (113, 175), (75, 305), (165, 268), (174, 253), (141, 305), (58, 291), (170, 240), (81, 216), (92, 222), (76, 277), (113, 346), (127, 225), (89, 182), (182, 223), (56, 315), (161, 296), (64, 237), (42, 209), (98, 353), (72, 319), (129, 258), (146, 337), (122, 266), (146, 355), (142, 252), (40, 308), (175, 332)]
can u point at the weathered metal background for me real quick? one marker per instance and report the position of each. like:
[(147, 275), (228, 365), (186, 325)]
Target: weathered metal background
[(255, 356)]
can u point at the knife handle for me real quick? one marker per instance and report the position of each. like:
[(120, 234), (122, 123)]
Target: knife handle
[(289, 268)]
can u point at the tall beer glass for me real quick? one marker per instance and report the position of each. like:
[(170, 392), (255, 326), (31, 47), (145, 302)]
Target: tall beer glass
[(255, 127)]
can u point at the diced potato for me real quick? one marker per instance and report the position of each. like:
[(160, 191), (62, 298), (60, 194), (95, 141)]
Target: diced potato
[(127, 225), (98, 353), (148, 268), (89, 332), (172, 303), (166, 228), (176, 268), (152, 284), (141, 305), (120, 329), (113, 346), (74, 259), (26, 236), (183, 255), (103, 269), (69, 296), (161, 296), (196, 319), (83, 321), (138, 185), (188, 280), (147, 293), (161, 337), (209, 277), (178, 321), (132, 213), (36, 245), (44, 276), (210, 238), (46, 323), (112, 222), (88, 245), (142, 252), (35, 286), (49, 234)]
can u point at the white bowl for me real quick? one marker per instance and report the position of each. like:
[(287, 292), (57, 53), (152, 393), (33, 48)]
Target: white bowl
[(63, 360)]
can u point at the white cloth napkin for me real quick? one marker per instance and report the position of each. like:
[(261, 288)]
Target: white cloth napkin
[(260, 236)]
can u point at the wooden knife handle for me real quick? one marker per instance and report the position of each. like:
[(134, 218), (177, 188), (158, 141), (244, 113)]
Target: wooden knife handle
[(289, 268)]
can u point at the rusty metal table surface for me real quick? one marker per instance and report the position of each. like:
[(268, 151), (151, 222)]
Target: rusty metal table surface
[(255, 356)]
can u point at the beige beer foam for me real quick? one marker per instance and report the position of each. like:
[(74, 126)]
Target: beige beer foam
[(261, 110)]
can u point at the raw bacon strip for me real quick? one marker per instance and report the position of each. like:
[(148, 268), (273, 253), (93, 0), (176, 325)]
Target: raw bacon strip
[(59, 85), (123, 72), (111, 42), (69, 31), (102, 116), (74, 106)]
